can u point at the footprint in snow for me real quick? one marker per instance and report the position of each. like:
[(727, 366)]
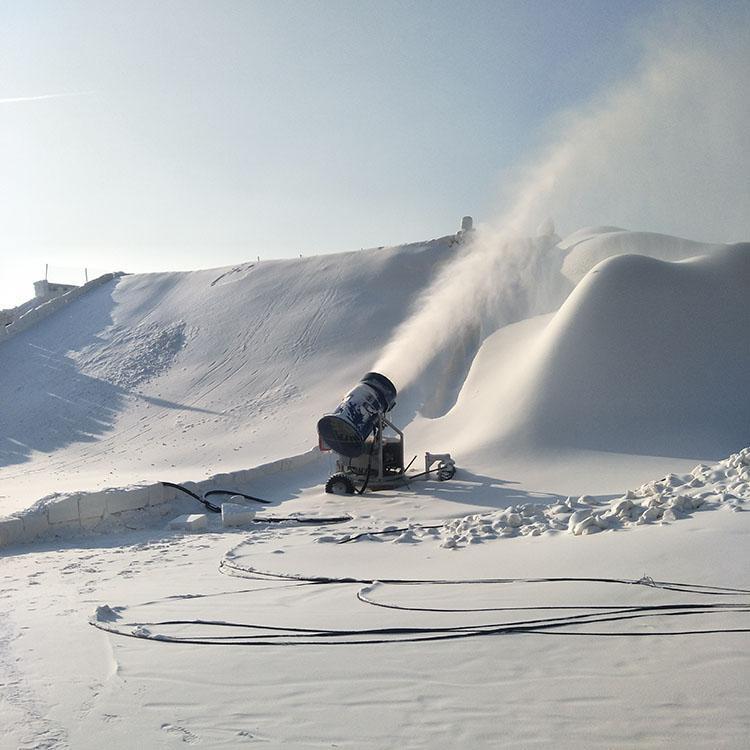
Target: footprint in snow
[(184, 734)]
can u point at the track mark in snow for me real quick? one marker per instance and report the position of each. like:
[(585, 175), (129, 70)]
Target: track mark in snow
[(184, 734), (229, 276), (21, 711)]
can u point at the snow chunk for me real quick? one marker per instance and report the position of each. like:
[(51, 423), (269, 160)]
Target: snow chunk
[(191, 522), (233, 514)]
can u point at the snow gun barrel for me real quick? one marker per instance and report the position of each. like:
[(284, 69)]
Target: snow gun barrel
[(346, 429)]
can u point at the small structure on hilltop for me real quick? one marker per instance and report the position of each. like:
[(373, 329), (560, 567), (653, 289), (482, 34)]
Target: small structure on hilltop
[(467, 229), (45, 289)]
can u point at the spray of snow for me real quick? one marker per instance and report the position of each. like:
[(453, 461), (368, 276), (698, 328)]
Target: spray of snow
[(496, 280), (668, 150)]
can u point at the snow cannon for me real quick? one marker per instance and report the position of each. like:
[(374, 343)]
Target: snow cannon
[(348, 427), (366, 455)]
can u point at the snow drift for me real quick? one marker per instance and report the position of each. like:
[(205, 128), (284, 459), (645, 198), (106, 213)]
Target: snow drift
[(645, 357), (651, 357)]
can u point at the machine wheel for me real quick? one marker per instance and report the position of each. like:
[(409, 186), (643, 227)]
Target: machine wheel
[(445, 472), (340, 484)]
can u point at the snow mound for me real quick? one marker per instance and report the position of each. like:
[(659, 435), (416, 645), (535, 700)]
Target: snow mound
[(127, 357), (587, 247), (647, 357)]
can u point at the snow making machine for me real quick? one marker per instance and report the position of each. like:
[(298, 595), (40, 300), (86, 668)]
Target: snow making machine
[(369, 448)]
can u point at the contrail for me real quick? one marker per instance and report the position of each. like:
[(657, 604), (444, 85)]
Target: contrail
[(19, 99)]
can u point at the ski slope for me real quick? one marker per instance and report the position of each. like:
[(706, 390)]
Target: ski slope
[(180, 376)]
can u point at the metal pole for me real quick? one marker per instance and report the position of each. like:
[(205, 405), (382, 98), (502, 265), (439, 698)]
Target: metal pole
[(380, 447)]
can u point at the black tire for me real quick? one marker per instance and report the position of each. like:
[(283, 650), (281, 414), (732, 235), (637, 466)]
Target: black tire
[(445, 472), (340, 484)]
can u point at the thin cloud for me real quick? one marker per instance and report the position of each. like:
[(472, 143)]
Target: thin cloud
[(41, 97)]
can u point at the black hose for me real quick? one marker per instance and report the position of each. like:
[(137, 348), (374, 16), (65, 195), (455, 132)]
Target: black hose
[(241, 494), (260, 519), (206, 503), (588, 615), (408, 466), (362, 489), (385, 531)]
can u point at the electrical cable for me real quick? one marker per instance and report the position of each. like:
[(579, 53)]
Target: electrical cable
[(587, 615), (241, 494), (206, 503), (362, 489), (311, 520)]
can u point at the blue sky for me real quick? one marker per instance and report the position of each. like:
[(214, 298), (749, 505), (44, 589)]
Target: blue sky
[(195, 134)]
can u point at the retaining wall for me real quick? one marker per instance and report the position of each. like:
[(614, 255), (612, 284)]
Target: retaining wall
[(65, 514), (45, 309)]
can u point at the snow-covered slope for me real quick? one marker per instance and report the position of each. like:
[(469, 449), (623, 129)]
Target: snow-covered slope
[(183, 375)]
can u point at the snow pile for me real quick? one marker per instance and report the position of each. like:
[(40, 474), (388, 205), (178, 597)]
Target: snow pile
[(648, 356), (725, 484), (645, 357), (127, 357)]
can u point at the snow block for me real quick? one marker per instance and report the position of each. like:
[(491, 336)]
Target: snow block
[(89, 524), (169, 493), (35, 523), (156, 494), (192, 522), (63, 510), (119, 501), (11, 531), (92, 505), (233, 514)]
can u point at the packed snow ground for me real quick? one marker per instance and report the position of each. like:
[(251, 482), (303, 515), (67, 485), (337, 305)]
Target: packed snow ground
[(605, 439)]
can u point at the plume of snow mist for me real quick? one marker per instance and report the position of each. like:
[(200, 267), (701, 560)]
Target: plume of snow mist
[(667, 151), (496, 280)]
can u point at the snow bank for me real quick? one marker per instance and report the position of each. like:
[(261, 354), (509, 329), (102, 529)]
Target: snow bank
[(162, 376), (72, 514)]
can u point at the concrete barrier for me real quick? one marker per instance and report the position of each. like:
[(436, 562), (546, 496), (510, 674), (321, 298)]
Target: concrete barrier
[(65, 514)]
